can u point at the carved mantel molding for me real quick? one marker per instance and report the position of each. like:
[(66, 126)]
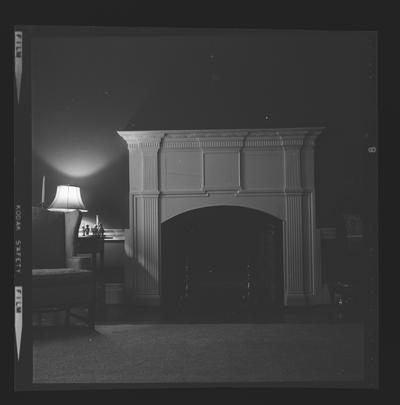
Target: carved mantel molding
[(248, 137)]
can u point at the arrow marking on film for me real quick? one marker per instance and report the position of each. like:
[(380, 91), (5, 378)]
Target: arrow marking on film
[(18, 61), (18, 318)]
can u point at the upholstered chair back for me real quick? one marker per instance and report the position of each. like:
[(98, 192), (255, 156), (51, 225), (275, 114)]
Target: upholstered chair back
[(54, 237)]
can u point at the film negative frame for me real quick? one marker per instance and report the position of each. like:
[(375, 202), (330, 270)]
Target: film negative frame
[(23, 353)]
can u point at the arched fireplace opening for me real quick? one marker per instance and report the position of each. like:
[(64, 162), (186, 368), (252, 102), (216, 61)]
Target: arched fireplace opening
[(222, 263)]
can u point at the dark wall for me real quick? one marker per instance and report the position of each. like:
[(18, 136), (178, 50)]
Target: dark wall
[(87, 88)]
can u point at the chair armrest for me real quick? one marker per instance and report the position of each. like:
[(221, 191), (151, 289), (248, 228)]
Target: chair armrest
[(79, 262)]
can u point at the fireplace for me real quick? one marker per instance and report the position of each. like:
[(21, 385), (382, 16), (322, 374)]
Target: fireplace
[(222, 263), (177, 178)]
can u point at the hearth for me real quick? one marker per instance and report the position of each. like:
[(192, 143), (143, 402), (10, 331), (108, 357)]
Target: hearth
[(172, 174)]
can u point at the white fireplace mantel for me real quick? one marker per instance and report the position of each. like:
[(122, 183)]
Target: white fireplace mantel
[(271, 170)]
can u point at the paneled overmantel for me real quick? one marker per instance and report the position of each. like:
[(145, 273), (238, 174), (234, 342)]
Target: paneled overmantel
[(271, 170)]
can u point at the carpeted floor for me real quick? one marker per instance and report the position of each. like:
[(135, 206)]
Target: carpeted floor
[(199, 353)]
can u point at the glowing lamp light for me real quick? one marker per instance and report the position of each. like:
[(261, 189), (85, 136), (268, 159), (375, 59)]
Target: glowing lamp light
[(68, 198)]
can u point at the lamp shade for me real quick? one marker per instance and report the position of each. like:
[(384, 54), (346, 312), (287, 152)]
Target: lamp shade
[(68, 198)]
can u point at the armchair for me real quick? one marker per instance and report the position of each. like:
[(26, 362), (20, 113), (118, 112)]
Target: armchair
[(60, 279)]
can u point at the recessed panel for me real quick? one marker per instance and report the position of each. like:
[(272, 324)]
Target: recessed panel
[(183, 170), (307, 166), (262, 170), (135, 167), (221, 170)]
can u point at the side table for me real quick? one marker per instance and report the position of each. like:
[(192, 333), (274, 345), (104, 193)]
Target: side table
[(95, 246)]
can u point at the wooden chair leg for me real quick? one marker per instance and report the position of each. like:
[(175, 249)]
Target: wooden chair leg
[(93, 301)]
